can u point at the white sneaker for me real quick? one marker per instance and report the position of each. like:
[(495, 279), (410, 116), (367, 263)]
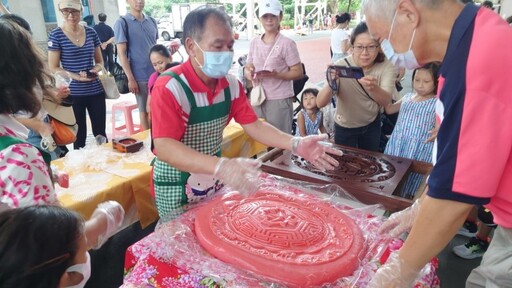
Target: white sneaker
[(475, 248)]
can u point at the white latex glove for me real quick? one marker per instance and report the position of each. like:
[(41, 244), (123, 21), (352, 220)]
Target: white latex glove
[(400, 222), (313, 150), (240, 174), (114, 214), (394, 274)]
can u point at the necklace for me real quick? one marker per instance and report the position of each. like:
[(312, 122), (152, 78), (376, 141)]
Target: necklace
[(74, 35)]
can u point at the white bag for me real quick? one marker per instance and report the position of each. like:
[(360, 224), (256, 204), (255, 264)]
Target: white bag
[(109, 85), (257, 95)]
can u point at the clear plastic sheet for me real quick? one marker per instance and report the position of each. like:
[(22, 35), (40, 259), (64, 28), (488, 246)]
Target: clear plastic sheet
[(175, 242), (95, 157)]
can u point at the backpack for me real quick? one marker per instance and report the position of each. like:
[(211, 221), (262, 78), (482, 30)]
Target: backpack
[(118, 72)]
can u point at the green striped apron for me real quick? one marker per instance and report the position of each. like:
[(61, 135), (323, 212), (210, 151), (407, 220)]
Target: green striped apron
[(174, 188)]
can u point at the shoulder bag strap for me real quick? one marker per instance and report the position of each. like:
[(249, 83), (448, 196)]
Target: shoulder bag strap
[(126, 31), (6, 141), (360, 85), (271, 51)]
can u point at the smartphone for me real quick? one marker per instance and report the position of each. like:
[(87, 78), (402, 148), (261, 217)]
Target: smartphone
[(92, 74), (349, 71)]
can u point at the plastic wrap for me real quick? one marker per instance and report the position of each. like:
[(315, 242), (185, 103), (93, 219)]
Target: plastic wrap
[(175, 242), (103, 158)]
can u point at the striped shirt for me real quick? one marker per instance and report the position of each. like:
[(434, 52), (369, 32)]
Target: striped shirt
[(75, 59)]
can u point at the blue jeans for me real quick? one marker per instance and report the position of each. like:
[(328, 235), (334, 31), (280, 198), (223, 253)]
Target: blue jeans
[(366, 137)]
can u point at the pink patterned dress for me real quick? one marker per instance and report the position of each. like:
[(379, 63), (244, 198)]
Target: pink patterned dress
[(24, 176)]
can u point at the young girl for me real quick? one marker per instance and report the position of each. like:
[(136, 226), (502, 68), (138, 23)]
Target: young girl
[(43, 246), (161, 59), (309, 120), (415, 128)]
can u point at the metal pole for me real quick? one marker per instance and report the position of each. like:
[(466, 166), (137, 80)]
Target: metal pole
[(250, 19)]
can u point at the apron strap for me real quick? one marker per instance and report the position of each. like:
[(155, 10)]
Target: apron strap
[(6, 141), (188, 92)]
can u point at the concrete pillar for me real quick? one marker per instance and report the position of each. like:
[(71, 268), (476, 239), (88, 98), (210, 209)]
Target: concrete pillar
[(250, 19), (32, 11)]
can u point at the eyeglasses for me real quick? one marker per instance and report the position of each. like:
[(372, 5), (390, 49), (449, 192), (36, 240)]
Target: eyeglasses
[(66, 13), (369, 48)]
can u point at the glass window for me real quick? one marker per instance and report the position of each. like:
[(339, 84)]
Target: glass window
[(48, 11)]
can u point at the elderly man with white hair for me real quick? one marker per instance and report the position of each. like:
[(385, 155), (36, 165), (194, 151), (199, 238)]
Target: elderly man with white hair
[(472, 155)]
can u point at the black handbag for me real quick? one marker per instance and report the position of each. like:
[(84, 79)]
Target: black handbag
[(118, 72), (121, 78)]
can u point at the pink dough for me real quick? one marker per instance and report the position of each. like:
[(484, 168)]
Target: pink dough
[(298, 241)]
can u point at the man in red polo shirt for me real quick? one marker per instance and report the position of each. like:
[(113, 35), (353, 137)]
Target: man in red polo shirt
[(472, 155), (192, 103)]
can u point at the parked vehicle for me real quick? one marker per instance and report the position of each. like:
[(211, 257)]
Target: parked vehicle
[(166, 29), (170, 25)]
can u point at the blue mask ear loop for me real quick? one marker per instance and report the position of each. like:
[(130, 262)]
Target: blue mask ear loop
[(197, 61)]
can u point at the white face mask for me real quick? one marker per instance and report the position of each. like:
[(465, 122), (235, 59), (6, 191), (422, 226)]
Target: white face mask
[(405, 60), (82, 268)]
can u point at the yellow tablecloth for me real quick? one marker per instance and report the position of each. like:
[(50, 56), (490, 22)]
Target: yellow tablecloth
[(238, 144), (125, 177)]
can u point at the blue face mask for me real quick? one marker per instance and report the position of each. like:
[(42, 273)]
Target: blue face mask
[(216, 64), (405, 60)]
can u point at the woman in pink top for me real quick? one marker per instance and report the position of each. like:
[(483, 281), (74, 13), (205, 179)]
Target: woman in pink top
[(274, 62)]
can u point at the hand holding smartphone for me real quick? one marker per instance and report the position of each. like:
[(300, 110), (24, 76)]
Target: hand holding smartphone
[(348, 71), (91, 74)]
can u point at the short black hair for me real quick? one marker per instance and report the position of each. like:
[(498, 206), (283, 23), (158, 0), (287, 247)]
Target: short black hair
[(343, 18), (38, 244), (160, 49), (18, 20), (102, 17), (313, 91), (194, 24), (488, 4)]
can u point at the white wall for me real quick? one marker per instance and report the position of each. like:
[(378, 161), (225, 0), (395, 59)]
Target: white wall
[(506, 8), (32, 11)]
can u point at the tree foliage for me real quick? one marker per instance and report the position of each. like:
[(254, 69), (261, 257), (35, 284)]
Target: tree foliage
[(156, 8)]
